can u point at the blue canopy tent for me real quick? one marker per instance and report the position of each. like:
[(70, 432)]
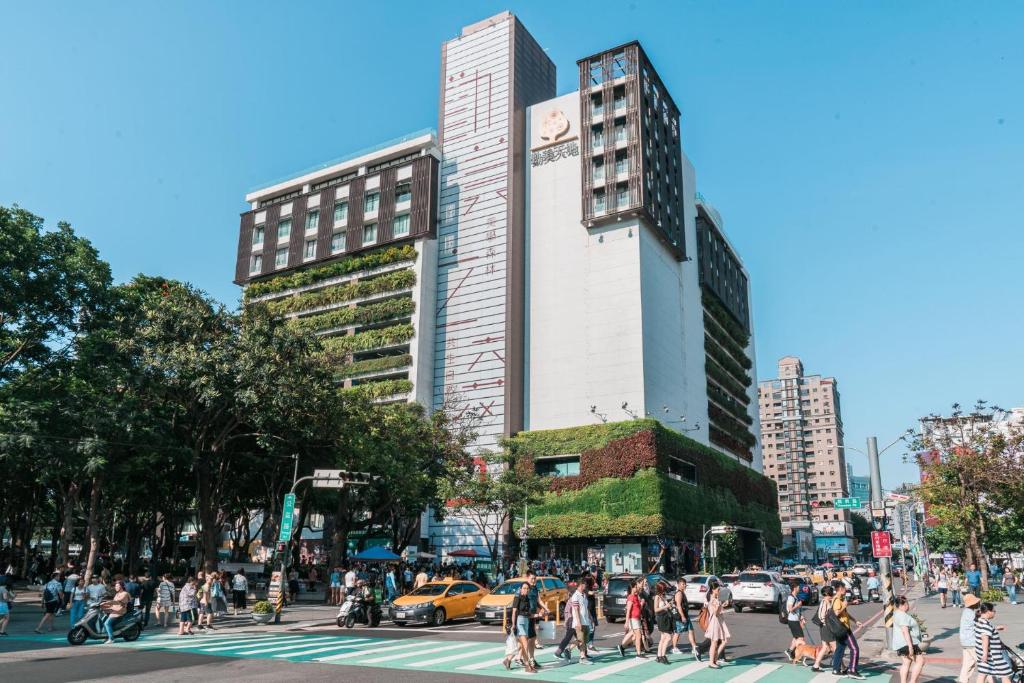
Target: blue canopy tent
[(376, 554)]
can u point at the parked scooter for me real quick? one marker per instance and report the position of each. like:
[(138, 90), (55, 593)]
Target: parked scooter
[(90, 628), (354, 611)]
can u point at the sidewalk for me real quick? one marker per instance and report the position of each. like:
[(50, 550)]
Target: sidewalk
[(943, 625)]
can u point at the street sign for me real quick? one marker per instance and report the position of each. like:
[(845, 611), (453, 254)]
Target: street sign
[(327, 474), (722, 529), (847, 503), (878, 511), (898, 497), (287, 517), (881, 544), (950, 559), (328, 483)]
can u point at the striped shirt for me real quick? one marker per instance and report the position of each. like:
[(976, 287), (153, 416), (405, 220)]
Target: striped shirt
[(996, 664)]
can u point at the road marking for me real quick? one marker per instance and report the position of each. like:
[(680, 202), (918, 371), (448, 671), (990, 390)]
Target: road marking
[(290, 646), (681, 672), (403, 655), (220, 647), (349, 655), (824, 677), (452, 658), (613, 669), (755, 674), (340, 646), (201, 642)]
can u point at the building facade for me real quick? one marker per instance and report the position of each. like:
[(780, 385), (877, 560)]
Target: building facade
[(860, 487), (802, 436), (544, 264)]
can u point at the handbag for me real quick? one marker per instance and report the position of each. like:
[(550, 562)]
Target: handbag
[(835, 627), (816, 619), (703, 617), (511, 645)]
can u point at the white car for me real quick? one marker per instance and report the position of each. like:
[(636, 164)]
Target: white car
[(758, 589), (697, 589), (864, 568)]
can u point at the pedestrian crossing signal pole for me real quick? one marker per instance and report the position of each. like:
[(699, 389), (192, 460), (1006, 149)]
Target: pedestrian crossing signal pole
[(884, 563)]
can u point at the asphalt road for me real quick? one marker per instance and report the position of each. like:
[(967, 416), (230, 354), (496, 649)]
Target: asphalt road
[(240, 651)]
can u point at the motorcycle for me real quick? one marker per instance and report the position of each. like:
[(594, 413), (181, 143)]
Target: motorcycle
[(874, 595), (90, 628), (856, 597), (354, 610)]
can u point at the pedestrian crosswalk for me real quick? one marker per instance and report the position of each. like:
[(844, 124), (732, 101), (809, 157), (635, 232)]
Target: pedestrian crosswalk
[(414, 655)]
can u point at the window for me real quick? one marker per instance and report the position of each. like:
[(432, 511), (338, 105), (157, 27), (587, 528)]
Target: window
[(370, 202), (284, 229), (256, 263), (618, 65), (340, 212), (400, 226), (620, 133), (596, 72), (257, 235), (682, 470), (622, 197), (337, 242), (403, 193), (599, 203), (310, 249), (598, 170), (567, 466), (312, 220), (598, 105), (621, 164), (369, 233), (281, 258)]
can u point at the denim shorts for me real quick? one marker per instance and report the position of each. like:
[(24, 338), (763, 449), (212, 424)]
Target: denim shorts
[(523, 627), (683, 626)]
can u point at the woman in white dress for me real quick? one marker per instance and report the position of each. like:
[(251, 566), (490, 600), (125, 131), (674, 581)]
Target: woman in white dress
[(717, 631)]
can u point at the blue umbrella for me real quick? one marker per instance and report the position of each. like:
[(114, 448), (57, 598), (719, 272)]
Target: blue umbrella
[(376, 554)]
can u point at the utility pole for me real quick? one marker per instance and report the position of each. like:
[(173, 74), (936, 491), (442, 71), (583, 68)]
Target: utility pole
[(884, 563)]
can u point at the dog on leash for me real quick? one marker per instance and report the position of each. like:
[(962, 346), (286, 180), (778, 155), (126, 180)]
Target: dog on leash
[(804, 652)]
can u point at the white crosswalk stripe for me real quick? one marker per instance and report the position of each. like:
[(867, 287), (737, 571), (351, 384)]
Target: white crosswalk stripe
[(306, 642), (221, 647), (350, 655), (824, 677), (187, 642), (612, 669), (676, 674), (755, 674), (464, 655), (331, 648), (403, 655)]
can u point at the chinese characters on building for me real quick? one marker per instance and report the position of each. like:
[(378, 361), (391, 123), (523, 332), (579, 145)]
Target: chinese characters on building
[(562, 151)]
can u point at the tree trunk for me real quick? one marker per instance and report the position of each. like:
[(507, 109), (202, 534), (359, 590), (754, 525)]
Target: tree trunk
[(92, 526), (68, 525), (209, 533), (297, 530), (977, 555)]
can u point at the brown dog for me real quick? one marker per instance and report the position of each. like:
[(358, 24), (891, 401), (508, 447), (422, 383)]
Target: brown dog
[(803, 652)]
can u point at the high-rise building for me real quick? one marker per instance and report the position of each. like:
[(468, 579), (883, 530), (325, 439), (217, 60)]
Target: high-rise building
[(545, 263), (860, 488), (802, 437)]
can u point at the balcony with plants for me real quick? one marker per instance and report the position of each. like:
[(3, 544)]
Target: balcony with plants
[(728, 379)]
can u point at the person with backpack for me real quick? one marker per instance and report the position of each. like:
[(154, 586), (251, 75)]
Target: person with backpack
[(840, 622), (794, 619), (828, 642), (53, 599), (683, 624)]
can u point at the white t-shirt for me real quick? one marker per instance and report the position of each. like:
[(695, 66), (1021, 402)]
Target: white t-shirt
[(791, 613), (580, 598), (96, 591), (350, 579)]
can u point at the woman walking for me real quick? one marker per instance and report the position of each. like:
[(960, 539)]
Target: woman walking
[(165, 601), (6, 597), (943, 586), (663, 618), (187, 605), (1010, 584), (78, 598), (521, 628), (634, 622), (828, 641), (988, 647), (956, 586), (717, 631), (239, 590), (906, 641)]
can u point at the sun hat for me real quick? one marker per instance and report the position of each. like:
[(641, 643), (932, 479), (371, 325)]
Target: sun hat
[(971, 600)]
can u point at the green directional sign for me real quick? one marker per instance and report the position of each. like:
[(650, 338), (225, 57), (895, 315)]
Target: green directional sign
[(847, 503), (287, 518)]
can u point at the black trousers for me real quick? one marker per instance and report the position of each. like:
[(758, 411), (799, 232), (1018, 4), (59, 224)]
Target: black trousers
[(145, 606), (570, 633)]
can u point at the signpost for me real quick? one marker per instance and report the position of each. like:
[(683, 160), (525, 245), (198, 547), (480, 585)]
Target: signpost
[(287, 517), (328, 479), (847, 503), (881, 544)]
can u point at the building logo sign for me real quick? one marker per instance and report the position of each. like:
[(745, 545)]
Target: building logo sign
[(554, 126), (554, 153)]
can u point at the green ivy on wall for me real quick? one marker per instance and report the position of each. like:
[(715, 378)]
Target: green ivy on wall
[(361, 367), (389, 387), (344, 266), (389, 282), (368, 340), (358, 315), (716, 332)]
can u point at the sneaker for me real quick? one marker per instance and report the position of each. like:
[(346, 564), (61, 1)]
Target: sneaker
[(837, 673), (595, 648), (534, 664), (642, 656), (622, 650), (566, 656), (696, 654), (585, 661), (857, 675), (816, 669)]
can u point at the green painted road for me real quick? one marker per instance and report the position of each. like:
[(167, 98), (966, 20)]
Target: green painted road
[(475, 658)]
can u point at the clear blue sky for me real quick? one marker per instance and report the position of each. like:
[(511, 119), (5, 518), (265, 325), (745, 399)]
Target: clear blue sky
[(868, 158)]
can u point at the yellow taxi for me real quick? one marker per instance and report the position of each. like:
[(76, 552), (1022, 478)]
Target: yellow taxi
[(552, 593), (437, 602)]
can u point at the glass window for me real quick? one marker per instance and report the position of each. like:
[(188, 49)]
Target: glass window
[(622, 197), (281, 258), (400, 226), (599, 202), (370, 202), (312, 219), (337, 242), (284, 229), (619, 65), (596, 72), (403, 193), (256, 263), (340, 212), (620, 133), (598, 106), (310, 249), (558, 467), (598, 169), (257, 235), (682, 469), (369, 233), (597, 138), (621, 165)]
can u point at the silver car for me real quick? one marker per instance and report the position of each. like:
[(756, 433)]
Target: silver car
[(759, 589), (697, 586)]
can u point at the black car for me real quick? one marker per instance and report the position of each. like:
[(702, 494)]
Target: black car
[(617, 589)]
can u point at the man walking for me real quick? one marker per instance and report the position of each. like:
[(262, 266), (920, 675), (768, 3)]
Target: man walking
[(537, 611), (239, 590), (53, 598), (973, 576), (795, 620), (147, 591), (350, 581), (578, 623), (683, 624)]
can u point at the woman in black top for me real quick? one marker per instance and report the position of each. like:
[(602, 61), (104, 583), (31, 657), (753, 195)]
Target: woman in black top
[(520, 623)]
